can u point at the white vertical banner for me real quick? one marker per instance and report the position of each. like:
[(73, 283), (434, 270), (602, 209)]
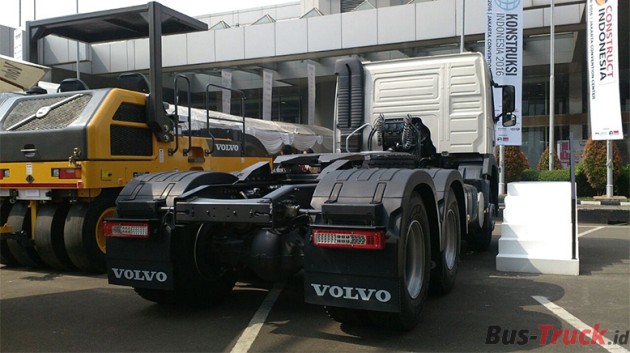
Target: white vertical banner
[(603, 69), (504, 55), (267, 94), (310, 71), (17, 44), (226, 81)]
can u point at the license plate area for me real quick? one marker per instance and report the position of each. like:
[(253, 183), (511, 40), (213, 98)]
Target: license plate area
[(34, 194)]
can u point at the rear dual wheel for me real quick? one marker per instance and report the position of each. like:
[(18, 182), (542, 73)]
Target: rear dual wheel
[(49, 238), (480, 239), (415, 261), (47, 232), (84, 238), (65, 236), (446, 261), (200, 280), (22, 249)]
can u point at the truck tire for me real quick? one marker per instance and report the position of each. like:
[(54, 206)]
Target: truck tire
[(479, 240), (415, 253), (6, 258), (49, 236), (199, 279), (83, 232), (445, 271), (24, 252)]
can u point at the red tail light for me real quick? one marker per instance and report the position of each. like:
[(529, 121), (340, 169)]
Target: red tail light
[(365, 239), (116, 229), (66, 173), (4, 173)]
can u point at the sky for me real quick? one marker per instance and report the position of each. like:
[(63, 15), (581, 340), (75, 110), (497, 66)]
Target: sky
[(10, 14)]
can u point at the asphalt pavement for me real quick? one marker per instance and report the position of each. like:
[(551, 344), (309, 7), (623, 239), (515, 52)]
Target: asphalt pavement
[(488, 311)]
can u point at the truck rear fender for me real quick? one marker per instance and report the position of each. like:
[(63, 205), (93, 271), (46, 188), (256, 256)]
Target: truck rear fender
[(144, 196), (351, 191), (148, 262), (391, 187)]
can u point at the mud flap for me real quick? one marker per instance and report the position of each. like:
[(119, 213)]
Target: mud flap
[(141, 274), (141, 263), (353, 292)]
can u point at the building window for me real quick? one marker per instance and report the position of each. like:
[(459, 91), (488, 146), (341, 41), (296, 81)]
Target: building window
[(536, 95)]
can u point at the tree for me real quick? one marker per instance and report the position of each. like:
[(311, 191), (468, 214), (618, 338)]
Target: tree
[(594, 160), (543, 162), (515, 162)]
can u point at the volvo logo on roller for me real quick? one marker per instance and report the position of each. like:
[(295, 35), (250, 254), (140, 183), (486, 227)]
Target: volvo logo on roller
[(139, 275), (227, 147), (351, 293)]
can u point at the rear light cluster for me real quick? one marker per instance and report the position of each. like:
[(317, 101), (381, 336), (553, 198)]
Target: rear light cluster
[(353, 239), (4, 173), (66, 173), (116, 229)]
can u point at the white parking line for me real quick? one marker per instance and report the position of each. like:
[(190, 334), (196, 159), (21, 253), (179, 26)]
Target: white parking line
[(608, 345), (248, 336), (590, 231)]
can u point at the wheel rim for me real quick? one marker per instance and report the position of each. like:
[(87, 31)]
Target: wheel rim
[(414, 262), (100, 234), (452, 233)]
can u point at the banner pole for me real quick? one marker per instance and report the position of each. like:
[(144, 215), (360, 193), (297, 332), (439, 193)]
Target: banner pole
[(78, 51), (461, 40), (603, 70), (501, 170), (552, 94), (609, 169)]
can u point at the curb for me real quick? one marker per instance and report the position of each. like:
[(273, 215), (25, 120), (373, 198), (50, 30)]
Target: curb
[(604, 203), (603, 215)]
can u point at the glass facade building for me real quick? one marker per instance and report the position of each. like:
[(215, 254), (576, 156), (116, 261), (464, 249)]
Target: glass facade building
[(267, 52)]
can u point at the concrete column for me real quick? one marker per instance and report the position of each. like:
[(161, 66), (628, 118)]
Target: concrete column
[(226, 81), (311, 75), (267, 94)]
